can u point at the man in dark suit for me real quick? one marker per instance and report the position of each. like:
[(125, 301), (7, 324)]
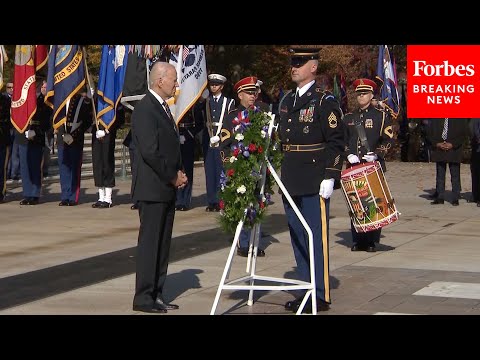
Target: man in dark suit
[(156, 176), (447, 136)]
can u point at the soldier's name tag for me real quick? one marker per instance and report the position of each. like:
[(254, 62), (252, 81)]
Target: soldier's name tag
[(182, 139)]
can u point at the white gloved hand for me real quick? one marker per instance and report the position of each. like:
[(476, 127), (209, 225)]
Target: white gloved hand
[(214, 139), (67, 139), (100, 134), (182, 139), (353, 159), (326, 188), (370, 157), (30, 134)]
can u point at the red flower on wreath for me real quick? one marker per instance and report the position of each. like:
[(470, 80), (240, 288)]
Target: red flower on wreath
[(221, 203), (260, 149), (262, 204), (236, 152), (230, 172), (252, 147)]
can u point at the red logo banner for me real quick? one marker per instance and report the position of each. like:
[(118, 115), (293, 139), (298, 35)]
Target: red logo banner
[(442, 81)]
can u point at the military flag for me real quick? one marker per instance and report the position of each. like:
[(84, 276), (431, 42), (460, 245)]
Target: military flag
[(65, 77), (191, 66), (3, 57), (110, 82), (24, 98), (386, 74)]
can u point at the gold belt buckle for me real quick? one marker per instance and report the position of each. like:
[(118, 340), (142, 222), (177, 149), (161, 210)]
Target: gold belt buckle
[(287, 147)]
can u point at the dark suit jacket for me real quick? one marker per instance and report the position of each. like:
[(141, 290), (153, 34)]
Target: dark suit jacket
[(457, 134), (157, 152)]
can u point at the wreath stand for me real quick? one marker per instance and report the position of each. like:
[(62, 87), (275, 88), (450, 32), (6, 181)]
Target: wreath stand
[(251, 277)]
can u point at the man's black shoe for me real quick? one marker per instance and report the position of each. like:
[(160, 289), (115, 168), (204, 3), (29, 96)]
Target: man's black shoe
[(243, 252), (437, 201), (433, 196), (210, 208), (153, 309), (371, 248), (72, 203), (33, 201), (217, 208), (260, 252), (63, 203), (25, 201), (163, 305), (97, 204), (478, 204), (455, 203), (134, 207), (105, 205), (292, 304), (181, 208), (321, 306)]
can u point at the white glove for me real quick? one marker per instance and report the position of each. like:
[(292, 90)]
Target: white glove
[(182, 139), (353, 159), (370, 157), (30, 134), (100, 134), (67, 139), (214, 139), (326, 188)]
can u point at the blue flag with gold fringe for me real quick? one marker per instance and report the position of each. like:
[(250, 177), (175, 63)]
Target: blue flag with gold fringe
[(386, 74), (110, 82), (65, 77)]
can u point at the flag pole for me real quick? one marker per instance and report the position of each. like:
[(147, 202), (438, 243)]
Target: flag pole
[(92, 89)]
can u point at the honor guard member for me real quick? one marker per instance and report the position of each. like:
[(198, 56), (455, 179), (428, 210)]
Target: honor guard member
[(30, 147), (70, 139), (247, 94), (103, 158), (369, 135), (312, 137), (5, 142), (216, 109), (188, 127)]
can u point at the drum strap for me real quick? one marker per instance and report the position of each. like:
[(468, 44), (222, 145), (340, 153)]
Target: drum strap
[(361, 133)]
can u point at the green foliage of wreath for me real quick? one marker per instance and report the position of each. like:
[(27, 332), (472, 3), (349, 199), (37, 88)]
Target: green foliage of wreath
[(241, 181)]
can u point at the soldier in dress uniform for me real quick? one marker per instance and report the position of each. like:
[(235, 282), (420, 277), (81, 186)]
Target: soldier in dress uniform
[(30, 147), (5, 142), (189, 126), (103, 159), (70, 139), (247, 94), (369, 145), (217, 107), (312, 136)]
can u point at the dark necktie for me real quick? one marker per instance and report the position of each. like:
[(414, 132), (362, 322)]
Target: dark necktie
[(167, 109), (296, 97), (445, 130)]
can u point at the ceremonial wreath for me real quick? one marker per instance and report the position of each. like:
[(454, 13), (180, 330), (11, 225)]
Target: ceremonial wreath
[(241, 180)]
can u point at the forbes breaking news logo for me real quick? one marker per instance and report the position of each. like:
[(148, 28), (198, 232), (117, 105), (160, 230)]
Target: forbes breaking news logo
[(441, 81)]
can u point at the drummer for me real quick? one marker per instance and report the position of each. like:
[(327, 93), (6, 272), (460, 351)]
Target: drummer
[(370, 137)]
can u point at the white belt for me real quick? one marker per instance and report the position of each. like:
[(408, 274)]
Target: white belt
[(215, 123)]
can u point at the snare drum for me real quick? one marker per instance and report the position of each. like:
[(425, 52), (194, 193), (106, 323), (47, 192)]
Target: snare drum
[(371, 205)]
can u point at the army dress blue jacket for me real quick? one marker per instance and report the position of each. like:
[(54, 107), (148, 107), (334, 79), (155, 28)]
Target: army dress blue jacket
[(312, 137)]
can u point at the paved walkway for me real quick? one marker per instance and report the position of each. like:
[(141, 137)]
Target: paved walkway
[(79, 260)]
